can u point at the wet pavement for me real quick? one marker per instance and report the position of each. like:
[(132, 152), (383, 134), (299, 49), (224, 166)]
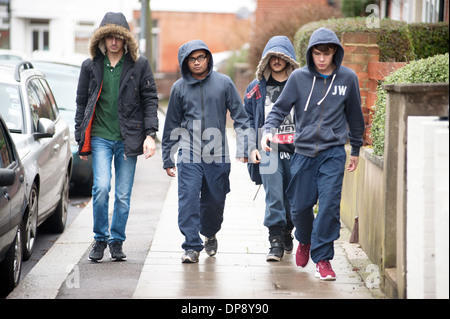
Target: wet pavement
[(154, 270)]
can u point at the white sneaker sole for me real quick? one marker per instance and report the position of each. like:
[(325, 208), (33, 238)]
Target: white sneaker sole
[(273, 258), (117, 259), (327, 278)]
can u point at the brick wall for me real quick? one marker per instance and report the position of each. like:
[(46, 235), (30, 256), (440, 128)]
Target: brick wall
[(269, 9), (220, 31), (362, 56)]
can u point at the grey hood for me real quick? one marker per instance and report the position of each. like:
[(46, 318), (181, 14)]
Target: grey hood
[(279, 46), (324, 36), (184, 51)]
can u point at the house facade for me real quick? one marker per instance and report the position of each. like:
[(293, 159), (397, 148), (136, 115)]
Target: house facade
[(63, 27), (413, 11)]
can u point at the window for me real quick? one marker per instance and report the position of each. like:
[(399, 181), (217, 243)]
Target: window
[(49, 98), (40, 103), (433, 11), (5, 150), (155, 48), (11, 107), (40, 35)]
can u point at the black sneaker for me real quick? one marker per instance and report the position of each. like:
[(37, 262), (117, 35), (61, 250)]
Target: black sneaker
[(211, 246), (276, 251), (288, 242), (116, 253), (98, 249)]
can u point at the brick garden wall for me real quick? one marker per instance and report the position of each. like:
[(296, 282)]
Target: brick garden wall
[(362, 56)]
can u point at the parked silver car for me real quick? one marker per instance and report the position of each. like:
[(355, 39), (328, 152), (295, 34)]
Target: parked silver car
[(42, 138), (63, 79), (13, 212)]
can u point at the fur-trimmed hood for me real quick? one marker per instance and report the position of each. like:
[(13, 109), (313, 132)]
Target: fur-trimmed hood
[(113, 23), (281, 47)]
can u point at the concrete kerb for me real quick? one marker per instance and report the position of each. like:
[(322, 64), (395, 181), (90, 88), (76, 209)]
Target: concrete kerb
[(54, 268)]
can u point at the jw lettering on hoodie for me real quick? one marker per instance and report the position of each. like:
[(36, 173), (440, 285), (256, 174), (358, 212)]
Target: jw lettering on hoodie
[(327, 110)]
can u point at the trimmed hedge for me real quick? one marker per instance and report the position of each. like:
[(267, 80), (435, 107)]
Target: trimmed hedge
[(431, 70), (429, 39), (393, 37)]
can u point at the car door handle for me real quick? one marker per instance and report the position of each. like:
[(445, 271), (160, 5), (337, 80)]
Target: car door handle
[(56, 147), (5, 193), (21, 178), (66, 138)]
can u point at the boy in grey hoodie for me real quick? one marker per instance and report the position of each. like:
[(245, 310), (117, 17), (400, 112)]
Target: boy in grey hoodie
[(195, 129), (327, 106)]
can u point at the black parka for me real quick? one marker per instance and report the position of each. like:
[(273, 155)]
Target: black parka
[(137, 97)]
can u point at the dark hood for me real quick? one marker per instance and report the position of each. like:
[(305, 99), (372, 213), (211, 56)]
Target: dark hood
[(183, 53), (323, 36)]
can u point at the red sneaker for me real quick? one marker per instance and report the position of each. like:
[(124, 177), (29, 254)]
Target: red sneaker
[(302, 255), (324, 271)]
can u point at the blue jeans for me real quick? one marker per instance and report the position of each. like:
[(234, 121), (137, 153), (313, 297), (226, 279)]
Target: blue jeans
[(317, 179), (277, 213), (202, 189), (103, 153)]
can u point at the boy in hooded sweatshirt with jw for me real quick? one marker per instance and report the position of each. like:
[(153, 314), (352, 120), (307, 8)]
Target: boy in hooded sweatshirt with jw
[(327, 106), (272, 169)]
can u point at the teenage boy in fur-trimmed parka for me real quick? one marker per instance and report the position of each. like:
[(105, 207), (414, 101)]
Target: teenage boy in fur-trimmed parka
[(273, 169), (327, 105), (116, 117)]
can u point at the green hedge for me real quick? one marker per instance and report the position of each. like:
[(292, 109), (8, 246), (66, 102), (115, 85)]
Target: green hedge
[(393, 37), (431, 70), (429, 39)]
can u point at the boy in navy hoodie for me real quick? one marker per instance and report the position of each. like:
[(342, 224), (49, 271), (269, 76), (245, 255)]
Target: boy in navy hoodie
[(327, 105), (195, 129), (276, 64)]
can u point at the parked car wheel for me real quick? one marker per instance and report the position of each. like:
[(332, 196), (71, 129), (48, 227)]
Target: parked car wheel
[(29, 225), (57, 222), (11, 266)]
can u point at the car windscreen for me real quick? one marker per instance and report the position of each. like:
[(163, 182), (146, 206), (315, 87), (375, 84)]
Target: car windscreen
[(11, 107)]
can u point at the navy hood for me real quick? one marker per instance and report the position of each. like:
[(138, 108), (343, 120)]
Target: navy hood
[(184, 51), (281, 47), (324, 36)]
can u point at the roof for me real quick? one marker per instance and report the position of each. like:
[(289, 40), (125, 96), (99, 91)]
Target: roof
[(9, 73)]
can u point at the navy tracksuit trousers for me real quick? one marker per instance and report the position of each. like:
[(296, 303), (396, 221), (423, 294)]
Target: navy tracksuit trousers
[(202, 189), (317, 179)]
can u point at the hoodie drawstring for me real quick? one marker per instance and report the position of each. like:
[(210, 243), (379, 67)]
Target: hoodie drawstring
[(310, 93), (331, 84), (312, 88)]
